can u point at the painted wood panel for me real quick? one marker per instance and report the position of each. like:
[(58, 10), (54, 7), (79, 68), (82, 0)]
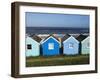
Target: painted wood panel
[(35, 47), (70, 46), (85, 46), (50, 47)]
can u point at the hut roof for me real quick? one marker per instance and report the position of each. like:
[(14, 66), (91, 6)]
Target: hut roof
[(37, 38), (52, 36), (75, 35), (65, 37), (81, 37)]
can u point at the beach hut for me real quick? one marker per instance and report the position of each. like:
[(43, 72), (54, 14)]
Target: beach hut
[(50, 46), (32, 46), (84, 44), (70, 45)]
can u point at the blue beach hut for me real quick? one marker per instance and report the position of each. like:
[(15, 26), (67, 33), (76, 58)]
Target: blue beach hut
[(70, 45), (50, 46), (32, 46)]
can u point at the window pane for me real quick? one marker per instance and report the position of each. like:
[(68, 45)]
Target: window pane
[(29, 46), (51, 46), (71, 45)]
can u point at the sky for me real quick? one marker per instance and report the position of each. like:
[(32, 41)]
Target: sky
[(56, 20)]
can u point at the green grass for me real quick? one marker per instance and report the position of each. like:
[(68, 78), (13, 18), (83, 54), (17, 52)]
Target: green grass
[(57, 60)]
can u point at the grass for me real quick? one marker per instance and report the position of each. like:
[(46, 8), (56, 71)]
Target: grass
[(57, 60)]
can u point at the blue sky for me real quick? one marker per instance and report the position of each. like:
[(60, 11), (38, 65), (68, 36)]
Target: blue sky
[(56, 20)]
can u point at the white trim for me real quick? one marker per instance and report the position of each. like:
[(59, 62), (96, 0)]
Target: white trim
[(42, 41), (85, 39), (69, 38), (48, 38)]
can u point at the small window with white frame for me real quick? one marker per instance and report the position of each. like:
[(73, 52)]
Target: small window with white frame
[(50, 46), (71, 45)]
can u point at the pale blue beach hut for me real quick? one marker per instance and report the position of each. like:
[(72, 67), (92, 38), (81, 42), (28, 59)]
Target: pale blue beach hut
[(32, 46), (84, 44), (70, 45)]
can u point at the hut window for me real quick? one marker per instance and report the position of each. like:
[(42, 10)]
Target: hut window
[(71, 45), (29, 46), (51, 46)]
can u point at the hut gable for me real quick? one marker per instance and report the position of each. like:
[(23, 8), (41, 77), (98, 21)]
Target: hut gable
[(50, 36)]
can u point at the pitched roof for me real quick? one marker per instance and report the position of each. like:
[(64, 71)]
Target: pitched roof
[(37, 38), (81, 37), (75, 35), (65, 37), (51, 35)]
